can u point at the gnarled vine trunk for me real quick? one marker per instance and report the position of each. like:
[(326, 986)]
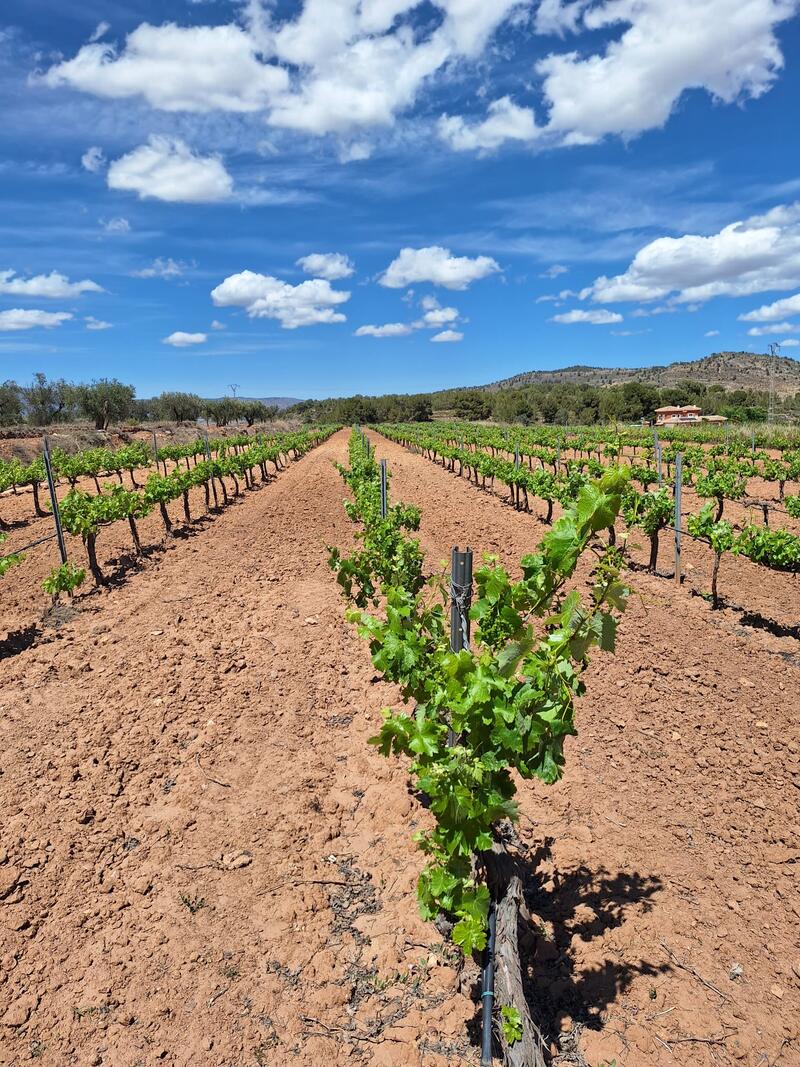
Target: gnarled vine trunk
[(512, 914)]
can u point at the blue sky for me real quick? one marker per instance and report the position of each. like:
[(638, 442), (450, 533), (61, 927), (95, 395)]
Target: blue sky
[(329, 196)]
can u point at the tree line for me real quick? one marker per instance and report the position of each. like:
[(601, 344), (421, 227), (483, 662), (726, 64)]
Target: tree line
[(45, 402), (549, 402)]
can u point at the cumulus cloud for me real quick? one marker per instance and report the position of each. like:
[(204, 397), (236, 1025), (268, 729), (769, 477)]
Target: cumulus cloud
[(344, 66), (161, 268), (93, 159), (391, 329), (436, 317), (756, 255), (217, 325), (790, 342), (330, 265), (726, 47), (176, 68), (167, 169), (772, 328), (436, 265), (789, 305), (53, 286), (28, 319), (505, 121), (180, 339), (600, 317), (96, 324), (264, 297), (711, 333), (634, 81), (447, 336), (353, 65)]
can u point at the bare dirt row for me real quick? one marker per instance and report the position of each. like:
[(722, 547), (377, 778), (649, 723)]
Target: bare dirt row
[(203, 862)]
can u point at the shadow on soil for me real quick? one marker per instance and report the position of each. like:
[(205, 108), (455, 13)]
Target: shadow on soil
[(19, 641), (569, 909)]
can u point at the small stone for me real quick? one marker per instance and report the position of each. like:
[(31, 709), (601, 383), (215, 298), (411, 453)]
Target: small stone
[(9, 876), (234, 861), (746, 683), (776, 992), (19, 1012)]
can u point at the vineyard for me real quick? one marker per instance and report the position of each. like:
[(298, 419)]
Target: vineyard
[(284, 781)]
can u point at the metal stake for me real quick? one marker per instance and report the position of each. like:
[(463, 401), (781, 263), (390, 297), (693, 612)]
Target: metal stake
[(384, 491), (487, 991), (155, 449), (51, 485), (677, 523)]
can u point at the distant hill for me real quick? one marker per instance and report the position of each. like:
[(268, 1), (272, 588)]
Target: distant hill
[(732, 370), (280, 402)]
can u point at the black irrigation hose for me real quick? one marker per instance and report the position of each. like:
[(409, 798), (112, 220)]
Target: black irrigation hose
[(27, 548)]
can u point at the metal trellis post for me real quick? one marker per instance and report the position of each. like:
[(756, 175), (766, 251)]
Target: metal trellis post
[(51, 485), (460, 597), (677, 523), (384, 492)]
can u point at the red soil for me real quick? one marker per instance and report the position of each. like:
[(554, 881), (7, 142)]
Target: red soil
[(203, 862)]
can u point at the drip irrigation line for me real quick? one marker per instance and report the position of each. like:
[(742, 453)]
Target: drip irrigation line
[(27, 548)]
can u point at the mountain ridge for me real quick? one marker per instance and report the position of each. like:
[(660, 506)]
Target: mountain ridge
[(732, 370)]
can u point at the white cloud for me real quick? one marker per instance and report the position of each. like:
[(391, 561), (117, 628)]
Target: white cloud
[(711, 333), (100, 30), (342, 66), (96, 324), (264, 297), (391, 329), (175, 68), (755, 255), (594, 318), (436, 317), (447, 336), (436, 265), (790, 342), (93, 159), (789, 305), (554, 271), (161, 268), (28, 319), (179, 339), (53, 286), (555, 17), (726, 47), (353, 64), (167, 169), (330, 265), (354, 152), (633, 83), (506, 121), (217, 325), (118, 225), (773, 327)]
